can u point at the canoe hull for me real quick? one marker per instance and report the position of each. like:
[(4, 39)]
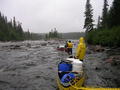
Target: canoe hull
[(79, 83)]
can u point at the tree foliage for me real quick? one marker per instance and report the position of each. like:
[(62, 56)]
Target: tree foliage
[(88, 25), (109, 34), (104, 15), (114, 14), (105, 37), (12, 30), (99, 23), (52, 34)]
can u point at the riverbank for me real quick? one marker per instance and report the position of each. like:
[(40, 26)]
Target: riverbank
[(102, 67)]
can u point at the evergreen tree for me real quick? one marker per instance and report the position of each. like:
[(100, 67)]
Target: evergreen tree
[(10, 30), (114, 14), (88, 25), (14, 23), (27, 35), (51, 34), (55, 33), (105, 14), (46, 36), (109, 34), (99, 23), (19, 31)]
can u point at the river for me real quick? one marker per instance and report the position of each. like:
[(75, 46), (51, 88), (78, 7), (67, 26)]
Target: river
[(32, 65)]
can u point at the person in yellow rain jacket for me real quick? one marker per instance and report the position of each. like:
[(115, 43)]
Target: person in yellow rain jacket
[(69, 47), (81, 49)]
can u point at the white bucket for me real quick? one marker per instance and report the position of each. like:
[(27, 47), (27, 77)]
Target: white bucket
[(77, 64)]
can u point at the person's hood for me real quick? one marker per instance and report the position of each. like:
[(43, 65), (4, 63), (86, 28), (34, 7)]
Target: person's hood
[(81, 40)]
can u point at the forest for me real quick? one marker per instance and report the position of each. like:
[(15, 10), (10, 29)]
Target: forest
[(12, 30), (107, 32)]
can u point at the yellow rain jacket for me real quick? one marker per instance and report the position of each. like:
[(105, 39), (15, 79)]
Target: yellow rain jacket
[(81, 49), (70, 45)]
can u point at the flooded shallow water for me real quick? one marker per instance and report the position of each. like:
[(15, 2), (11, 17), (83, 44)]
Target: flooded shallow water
[(32, 65)]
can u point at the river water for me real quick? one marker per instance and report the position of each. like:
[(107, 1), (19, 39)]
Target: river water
[(32, 65)]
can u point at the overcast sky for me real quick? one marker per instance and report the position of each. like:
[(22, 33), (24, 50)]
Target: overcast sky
[(40, 16)]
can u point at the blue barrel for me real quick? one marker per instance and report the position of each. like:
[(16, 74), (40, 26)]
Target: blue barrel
[(65, 67), (67, 77)]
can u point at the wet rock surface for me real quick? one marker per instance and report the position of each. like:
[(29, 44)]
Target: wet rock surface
[(32, 65), (101, 69)]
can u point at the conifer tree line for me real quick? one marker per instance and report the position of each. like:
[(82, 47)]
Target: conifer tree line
[(12, 30), (107, 32), (53, 34)]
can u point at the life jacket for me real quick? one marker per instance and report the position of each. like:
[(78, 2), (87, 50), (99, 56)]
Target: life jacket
[(70, 45)]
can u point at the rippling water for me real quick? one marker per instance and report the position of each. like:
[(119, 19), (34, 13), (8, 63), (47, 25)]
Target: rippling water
[(32, 65), (29, 65)]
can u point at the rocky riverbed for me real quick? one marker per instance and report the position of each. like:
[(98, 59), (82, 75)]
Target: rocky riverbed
[(32, 65), (102, 67)]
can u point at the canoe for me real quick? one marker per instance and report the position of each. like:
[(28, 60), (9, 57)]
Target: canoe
[(75, 82), (74, 86), (61, 48)]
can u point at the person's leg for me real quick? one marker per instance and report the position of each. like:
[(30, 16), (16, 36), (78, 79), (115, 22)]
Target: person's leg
[(68, 50), (71, 50)]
